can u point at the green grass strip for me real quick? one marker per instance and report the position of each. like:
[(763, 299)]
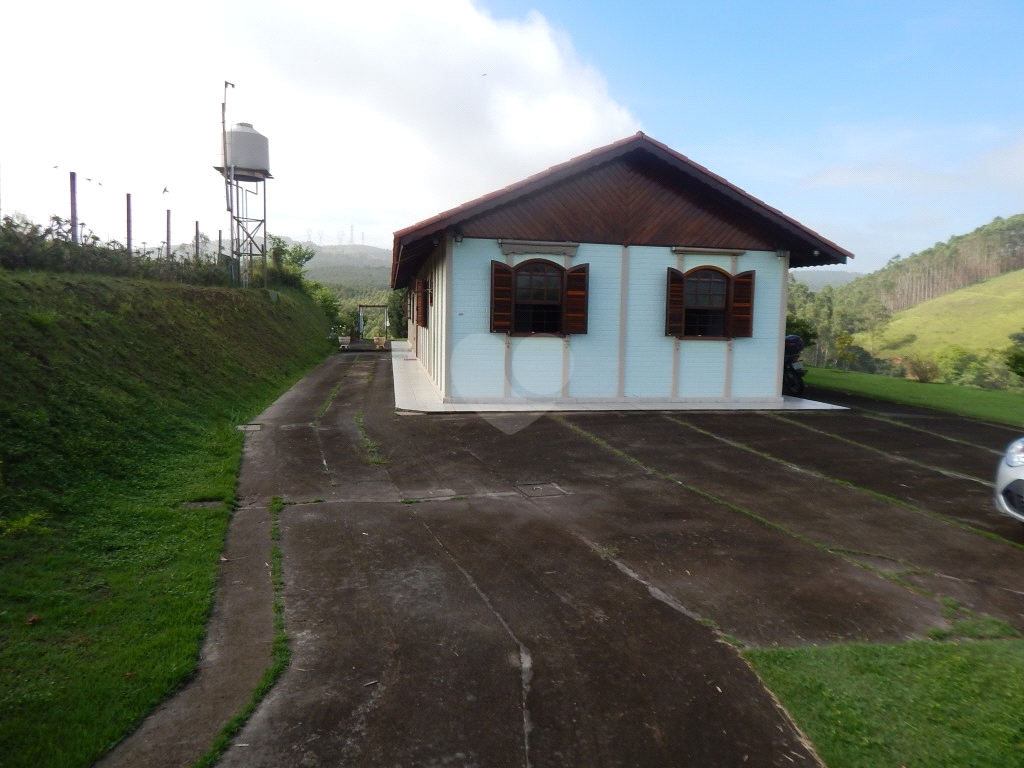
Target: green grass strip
[(999, 406), (281, 652)]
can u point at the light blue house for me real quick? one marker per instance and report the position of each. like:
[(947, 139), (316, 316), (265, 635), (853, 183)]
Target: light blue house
[(628, 275)]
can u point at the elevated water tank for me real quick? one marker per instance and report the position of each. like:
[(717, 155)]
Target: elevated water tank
[(249, 151)]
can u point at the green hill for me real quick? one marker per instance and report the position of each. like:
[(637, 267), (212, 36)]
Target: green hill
[(119, 411), (979, 318), (990, 250)]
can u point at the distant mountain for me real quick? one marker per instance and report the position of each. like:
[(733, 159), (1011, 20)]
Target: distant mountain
[(333, 255), (816, 279), (351, 268)]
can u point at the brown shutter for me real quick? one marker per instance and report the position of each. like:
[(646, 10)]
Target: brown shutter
[(675, 305), (502, 295), (741, 307), (421, 303), (574, 305)]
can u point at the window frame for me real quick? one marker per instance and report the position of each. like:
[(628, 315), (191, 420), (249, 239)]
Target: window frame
[(572, 302), (737, 318), (422, 292)]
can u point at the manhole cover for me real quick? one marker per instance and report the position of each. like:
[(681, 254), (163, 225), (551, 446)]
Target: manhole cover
[(541, 489)]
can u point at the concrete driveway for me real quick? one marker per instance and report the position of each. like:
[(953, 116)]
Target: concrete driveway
[(515, 590)]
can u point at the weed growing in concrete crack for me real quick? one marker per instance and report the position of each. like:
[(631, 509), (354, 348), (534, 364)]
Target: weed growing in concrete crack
[(966, 624), (330, 399), (281, 651), (370, 447)]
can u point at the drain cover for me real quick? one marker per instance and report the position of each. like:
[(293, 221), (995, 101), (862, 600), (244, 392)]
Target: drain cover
[(541, 489), (250, 427)]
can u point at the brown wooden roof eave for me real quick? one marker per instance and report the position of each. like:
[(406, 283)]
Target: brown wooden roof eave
[(406, 252), (817, 258), (396, 260)]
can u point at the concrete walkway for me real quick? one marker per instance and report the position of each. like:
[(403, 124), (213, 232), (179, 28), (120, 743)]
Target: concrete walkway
[(529, 589)]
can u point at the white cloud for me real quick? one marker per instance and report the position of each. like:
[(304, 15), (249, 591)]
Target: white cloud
[(378, 114), (428, 105)]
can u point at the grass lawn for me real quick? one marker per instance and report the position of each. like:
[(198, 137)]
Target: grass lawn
[(950, 703), (934, 704), (1002, 406), (119, 457)]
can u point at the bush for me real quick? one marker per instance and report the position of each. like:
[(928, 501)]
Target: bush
[(921, 368)]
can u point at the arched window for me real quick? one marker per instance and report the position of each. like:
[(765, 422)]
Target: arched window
[(709, 303), (538, 296), (538, 299)]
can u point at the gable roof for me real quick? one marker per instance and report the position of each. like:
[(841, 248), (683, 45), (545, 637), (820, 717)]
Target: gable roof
[(635, 191)]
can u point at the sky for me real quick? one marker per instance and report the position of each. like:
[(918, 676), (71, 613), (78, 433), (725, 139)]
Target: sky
[(884, 126)]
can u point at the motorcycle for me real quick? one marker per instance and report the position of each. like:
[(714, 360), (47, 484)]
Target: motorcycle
[(792, 369)]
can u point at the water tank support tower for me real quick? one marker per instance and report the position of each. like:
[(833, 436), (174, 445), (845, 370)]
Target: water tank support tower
[(245, 166)]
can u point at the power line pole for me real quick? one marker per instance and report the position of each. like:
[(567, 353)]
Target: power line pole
[(74, 210)]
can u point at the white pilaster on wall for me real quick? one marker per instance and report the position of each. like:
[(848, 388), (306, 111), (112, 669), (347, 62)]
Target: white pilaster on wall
[(727, 375), (782, 319), (506, 391), (449, 260), (675, 366), (566, 366), (623, 315)]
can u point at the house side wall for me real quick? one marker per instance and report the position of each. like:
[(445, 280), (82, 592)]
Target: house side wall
[(625, 353), (431, 342)]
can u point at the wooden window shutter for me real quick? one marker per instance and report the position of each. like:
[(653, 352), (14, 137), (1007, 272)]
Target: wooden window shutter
[(502, 297), (421, 303), (574, 305), (741, 307), (675, 305)]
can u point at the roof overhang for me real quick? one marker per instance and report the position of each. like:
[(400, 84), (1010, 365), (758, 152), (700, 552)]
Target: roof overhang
[(413, 245)]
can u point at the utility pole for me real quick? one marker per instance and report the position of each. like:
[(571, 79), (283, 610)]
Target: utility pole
[(74, 210), (128, 202), (168, 233)]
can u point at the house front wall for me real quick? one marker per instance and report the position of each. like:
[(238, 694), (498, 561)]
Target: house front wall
[(624, 356)]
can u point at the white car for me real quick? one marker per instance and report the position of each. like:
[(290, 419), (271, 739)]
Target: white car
[(1010, 481)]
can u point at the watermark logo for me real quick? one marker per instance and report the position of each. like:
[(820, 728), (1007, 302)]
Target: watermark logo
[(514, 383)]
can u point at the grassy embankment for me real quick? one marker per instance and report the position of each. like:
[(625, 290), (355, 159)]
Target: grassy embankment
[(953, 702), (119, 407)]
